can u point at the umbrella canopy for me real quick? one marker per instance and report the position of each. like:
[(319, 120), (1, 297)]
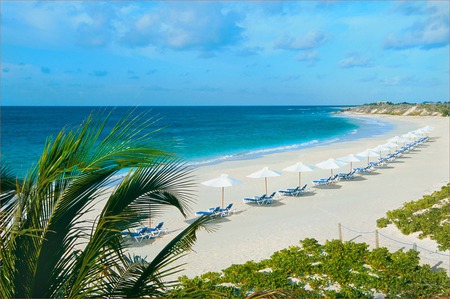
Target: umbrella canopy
[(350, 158), (265, 173), (398, 139), (368, 153), (410, 135), (421, 132), (331, 164), (381, 148), (390, 144), (221, 182), (299, 167)]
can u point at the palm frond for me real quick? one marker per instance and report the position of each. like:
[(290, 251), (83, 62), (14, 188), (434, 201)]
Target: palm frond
[(148, 281), (8, 181)]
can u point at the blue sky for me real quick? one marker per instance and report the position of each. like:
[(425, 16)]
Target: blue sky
[(223, 53)]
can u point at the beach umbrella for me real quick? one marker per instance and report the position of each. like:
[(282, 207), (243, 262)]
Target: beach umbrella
[(221, 182), (368, 153), (391, 145), (265, 173), (350, 159), (331, 164), (381, 148), (398, 139), (410, 135), (299, 167)]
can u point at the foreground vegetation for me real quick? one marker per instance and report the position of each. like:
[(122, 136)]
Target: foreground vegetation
[(424, 109), (430, 216), (50, 247), (335, 269)]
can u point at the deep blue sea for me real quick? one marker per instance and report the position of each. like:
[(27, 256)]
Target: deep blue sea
[(202, 135)]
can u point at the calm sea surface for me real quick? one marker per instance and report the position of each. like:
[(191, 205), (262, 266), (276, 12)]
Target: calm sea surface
[(203, 135)]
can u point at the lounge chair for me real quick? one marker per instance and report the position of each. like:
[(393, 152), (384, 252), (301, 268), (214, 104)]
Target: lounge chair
[(322, 181), (213, 212), (366, 169), (157, 230), (294, 191), (347, 176), (331, 180), (225, 212), (260, 200)]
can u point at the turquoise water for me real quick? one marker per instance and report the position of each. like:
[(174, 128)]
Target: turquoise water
[(202, 135)]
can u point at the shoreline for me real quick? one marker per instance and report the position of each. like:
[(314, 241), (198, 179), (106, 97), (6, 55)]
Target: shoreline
[(255, 232), (253, 154)]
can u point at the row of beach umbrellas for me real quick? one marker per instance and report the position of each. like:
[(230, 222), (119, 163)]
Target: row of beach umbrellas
[(224, 180)]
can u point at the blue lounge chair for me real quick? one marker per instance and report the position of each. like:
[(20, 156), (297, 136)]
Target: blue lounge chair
[(157, 230), (225, 212), (321, 181), (347, 176), (213, 212), (331, 180), (260, 200), (294, 191)]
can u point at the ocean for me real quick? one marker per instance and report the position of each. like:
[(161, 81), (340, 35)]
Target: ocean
[(201, 135)]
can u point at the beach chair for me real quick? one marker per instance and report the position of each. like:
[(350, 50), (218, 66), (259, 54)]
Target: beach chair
[(260, 200), (268, 199), (225, 212), (334, 179), (322, 181), (140, 234), (347, 176), (294, 191), (158, 230), (213, 212)]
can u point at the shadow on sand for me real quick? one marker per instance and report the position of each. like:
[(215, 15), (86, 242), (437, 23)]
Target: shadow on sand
[(333, 186)]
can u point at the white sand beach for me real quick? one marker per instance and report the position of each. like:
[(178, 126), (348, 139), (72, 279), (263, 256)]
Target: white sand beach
[(255, 232)]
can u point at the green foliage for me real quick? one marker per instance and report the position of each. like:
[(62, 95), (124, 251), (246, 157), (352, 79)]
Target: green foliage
[(49, 248), (385, 107), (333, 270), (430, 216)]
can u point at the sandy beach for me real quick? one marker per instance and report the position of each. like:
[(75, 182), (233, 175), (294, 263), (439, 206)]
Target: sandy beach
[(255, 232)]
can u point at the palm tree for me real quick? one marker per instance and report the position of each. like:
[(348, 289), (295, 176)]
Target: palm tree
[(49, 247)]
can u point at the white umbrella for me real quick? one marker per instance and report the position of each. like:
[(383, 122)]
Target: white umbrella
[(391, 145), (299, 167), (398, 139), (410, 135), (265, 173), (368, 153), (350, 158), (221, 182), (331, 164), (381, 148)]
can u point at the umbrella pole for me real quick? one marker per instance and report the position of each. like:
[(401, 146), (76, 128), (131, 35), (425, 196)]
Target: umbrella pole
[(331, 172), (265, 179), (351, 168), (149, 215), (223, 192), (300, 179)]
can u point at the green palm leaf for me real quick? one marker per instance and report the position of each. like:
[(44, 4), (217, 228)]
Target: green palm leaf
[(49, 246)]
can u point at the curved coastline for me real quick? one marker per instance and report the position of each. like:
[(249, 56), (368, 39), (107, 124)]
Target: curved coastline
[(367, 127), (254, 233)]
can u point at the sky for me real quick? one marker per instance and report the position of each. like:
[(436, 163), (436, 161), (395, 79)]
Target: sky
[(150, 53)]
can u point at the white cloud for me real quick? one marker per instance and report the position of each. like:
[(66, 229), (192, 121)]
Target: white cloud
[(311, 40), (432, 32), (354, 60)]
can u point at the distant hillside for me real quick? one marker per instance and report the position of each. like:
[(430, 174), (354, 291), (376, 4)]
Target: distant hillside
[(425, 109)]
